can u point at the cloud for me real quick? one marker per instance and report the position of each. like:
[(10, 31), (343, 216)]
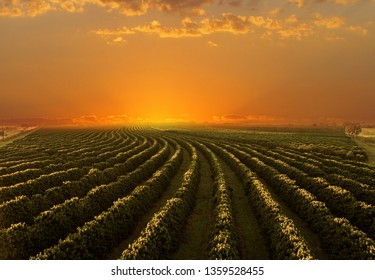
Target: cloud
[(113, 36), (126, 7), (275, 12), (178, 120), (291, 27), (308, 3), (95, 120), (227, 23), (292, 19), (234, 117), (113, 32), (73, 6), (330, 22), (70, 7), (16, 8), (117, 119), (118, 40), (241, 119), (30, 8), (188, 29), (195, 22), (334, 39), (336, 2), (297, 32), (235, 3), (183, 118), (198, 11), (345, 2), (298, 3), (358, 29), (257, 20), (91, 119), (272, 24), (180, 5), (212, 44)]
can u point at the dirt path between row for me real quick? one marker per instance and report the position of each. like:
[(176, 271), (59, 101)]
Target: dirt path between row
[(174, 184), (196, 236)]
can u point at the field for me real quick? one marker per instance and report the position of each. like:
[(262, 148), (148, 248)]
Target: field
[(186, 193), (13, 133)]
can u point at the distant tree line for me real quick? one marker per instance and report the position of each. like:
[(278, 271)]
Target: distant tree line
[(352, 129)]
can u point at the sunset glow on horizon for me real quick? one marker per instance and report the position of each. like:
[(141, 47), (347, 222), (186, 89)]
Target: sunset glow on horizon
[(216, 61)]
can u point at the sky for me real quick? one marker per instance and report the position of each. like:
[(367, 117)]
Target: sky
[(241, 61)]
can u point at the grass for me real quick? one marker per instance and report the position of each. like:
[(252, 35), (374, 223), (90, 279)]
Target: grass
[(366, 140), (13, 134)]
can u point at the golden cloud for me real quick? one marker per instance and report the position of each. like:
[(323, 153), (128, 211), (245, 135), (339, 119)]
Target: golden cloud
[(292, 27), (128, 7), (298, 3), (112, 32), (257, 20), (334, 39), (198, 11), (330, 22), (188, 29), (308, 3), (358, 29), (114, 36), (181, 5), (32, 8), (345, 2), (292, 19), (95, 120), (227, 23), (273, 24), (16, 8), (212, 44), (25, 8), (233, 118), (297, 32)]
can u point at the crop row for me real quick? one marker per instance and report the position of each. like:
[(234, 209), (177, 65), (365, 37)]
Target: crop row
[(358, 173), (161, 235), (361, 191), (49, 226), (224, 240), (44, 182), (284, 240), (58, 148), (61, 162), (340, 201), (30, 147), (97, 237), (341, 240)]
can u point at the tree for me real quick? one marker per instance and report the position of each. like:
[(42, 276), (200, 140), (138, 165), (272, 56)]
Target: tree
[(353, 129)]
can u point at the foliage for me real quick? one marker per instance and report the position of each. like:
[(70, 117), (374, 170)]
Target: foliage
[(78, 193)]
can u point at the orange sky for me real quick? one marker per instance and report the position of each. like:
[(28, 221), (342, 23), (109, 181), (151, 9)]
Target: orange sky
[(188, 60)]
